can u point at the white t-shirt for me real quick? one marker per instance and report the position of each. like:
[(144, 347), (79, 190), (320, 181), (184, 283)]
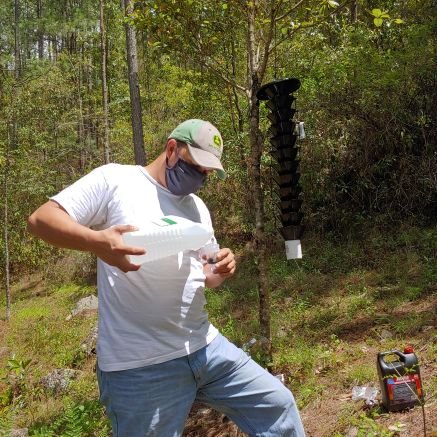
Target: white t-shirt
[(157, 313)]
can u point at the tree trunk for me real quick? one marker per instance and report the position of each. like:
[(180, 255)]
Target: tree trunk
[(146, 68), (80, 122), (354, 11), (40, 32), (239, 126), (260, 238), (134, 87), (5, 230), (17, 73), (255, 139), (17, 54), (104, 83)]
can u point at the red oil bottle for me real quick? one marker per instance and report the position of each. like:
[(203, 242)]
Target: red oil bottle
[(399, 377)]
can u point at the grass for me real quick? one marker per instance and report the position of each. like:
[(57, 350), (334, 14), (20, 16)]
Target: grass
[(38, 332), (34, 329), (331, 313)]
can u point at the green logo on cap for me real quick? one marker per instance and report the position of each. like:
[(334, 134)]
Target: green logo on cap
[(217, 141)]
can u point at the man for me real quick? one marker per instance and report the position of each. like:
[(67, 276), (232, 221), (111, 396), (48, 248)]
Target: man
[(157, 351)]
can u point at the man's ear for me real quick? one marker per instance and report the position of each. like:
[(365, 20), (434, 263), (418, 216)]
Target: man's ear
[(170, 152)]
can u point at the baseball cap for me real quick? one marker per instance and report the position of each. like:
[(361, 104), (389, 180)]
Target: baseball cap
[(204, 143)]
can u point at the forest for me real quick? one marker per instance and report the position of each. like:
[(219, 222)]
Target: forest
[(86, 83)]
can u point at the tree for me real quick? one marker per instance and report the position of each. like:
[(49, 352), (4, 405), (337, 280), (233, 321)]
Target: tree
[(205, 32), (104, 83), (134, 86), (6, 229), (367, 93), (17, 51), (40, 32)]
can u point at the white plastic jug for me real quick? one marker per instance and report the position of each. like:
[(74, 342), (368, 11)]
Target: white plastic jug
[(167, 236)]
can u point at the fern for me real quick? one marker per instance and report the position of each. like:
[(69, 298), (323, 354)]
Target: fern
[(5, 423), (44, 431), (5, 426), (72, 423), (75, 421)]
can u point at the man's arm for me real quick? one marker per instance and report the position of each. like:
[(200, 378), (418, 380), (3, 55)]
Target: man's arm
[(222, 269), (53, 224)]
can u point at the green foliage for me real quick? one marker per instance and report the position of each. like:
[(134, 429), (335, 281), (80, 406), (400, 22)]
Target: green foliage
[(325, 321), (17, 384), (361, 375), (76, 420), (229, 328), (6, 421), (33, 329), (383, 16), (367, 427), (380, 16), (39, 328), (367, 99)]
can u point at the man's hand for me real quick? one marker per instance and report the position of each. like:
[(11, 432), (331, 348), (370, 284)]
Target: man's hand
[(224, 268), (110, 248), (53, 224), (225, 265)]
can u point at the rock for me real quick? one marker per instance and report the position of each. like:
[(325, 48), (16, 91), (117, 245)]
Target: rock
[(19, 432), (4, 351), (89, 303), (58, 381), (385, 334), (89, 344), (282, 333), (398, 427), (352, 432), (281, 377)]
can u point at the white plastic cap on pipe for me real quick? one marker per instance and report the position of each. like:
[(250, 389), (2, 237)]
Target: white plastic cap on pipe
[(293, 249)]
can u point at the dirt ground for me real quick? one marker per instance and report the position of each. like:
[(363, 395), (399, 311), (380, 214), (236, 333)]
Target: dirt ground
[(331, 412), (324, 416), (321, 419)]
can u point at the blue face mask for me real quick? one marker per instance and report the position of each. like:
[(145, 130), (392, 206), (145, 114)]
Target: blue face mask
[(183, 179)]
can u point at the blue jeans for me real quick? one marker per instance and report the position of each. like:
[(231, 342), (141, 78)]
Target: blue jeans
[(156, 400)]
